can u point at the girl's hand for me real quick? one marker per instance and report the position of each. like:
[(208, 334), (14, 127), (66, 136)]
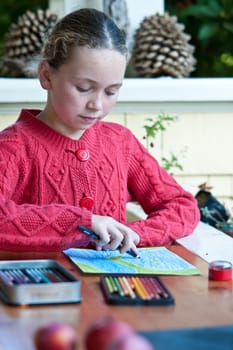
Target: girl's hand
[(114, 235)]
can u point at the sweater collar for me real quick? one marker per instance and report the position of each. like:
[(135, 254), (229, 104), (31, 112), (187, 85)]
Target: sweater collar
[(54, 139)]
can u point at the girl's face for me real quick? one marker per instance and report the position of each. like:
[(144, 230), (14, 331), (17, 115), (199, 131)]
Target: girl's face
[(83, 90)]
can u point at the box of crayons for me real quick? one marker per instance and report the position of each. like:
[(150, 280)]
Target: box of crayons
[(134, 289), (37, 282)]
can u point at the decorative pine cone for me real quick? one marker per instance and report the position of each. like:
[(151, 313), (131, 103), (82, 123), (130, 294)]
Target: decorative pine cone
[(161, 48), (23, 43)]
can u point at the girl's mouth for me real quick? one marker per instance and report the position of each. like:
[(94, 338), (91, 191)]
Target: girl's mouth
[(88, 119)]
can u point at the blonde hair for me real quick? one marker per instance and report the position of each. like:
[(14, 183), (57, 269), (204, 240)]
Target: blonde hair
[(85, 27)]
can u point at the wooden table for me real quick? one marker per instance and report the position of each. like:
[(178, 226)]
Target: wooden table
[(198, 302)]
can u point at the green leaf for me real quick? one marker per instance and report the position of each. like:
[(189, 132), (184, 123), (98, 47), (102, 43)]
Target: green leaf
[(208, 30), (214, 7), (228, 26), (149, 131), (200, 11), (227, 59), (227, 5)]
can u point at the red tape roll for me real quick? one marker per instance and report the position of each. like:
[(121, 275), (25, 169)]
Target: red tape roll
[(220, 270)]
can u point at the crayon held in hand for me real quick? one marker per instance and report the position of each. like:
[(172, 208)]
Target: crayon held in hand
[(88, 232), (94, 235)]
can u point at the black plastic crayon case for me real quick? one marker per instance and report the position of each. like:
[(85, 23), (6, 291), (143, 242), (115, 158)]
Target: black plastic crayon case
[(133, 289)]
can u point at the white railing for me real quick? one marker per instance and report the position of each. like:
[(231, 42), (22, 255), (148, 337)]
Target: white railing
[(148, 95)]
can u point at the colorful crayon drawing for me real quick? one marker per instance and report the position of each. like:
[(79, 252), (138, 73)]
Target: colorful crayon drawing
[(156, 260)]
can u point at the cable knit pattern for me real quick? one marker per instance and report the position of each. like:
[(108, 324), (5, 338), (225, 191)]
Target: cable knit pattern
[(42, 181)]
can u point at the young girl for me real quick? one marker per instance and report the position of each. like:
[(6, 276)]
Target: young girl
[(63, 167)]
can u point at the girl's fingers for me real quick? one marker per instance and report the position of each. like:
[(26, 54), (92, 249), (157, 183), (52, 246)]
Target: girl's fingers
[(104, 239), (114, 235), (115, 240)]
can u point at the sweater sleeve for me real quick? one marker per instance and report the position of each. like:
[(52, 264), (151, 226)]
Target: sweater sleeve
[(171, 211), (41, 228)]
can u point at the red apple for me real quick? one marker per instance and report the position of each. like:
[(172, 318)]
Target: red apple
[(105, 331), (131, 342), (56, 336)]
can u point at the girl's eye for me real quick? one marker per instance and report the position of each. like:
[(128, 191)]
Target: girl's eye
[(110, 93), (82, 89)]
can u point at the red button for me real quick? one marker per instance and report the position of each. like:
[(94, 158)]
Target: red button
[(87, 202), (82, 154)]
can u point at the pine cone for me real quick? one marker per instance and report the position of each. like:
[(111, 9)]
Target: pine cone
[(23, 43), (161, 48)]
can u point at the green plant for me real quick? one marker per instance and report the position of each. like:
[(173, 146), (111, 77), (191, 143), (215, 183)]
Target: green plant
[(152, 129), (210, 24), (171, 163)]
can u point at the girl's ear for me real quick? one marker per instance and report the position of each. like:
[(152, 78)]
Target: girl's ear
[(44, 72)]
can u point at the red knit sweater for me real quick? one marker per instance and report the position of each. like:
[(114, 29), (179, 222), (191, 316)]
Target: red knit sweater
[(42, 181)]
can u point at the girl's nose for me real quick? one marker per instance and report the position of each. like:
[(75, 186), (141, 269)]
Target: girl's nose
[(95, 102)]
